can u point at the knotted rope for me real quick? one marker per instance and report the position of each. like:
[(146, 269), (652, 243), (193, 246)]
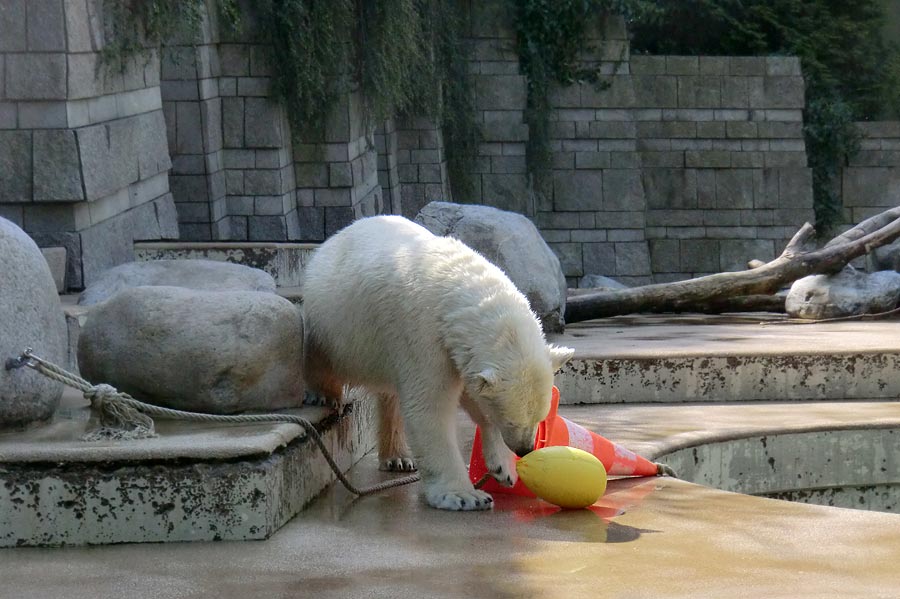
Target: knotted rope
[(124, 417)]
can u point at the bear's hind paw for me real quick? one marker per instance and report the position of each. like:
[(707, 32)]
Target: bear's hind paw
[(398, 464), (461, 501)]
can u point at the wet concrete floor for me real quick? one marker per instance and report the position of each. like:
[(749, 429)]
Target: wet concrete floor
[(651, 537)]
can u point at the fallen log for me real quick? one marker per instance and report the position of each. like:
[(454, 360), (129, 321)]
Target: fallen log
[(705, 294)]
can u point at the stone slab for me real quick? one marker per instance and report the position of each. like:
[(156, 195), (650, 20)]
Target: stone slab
[(284, 261), (662, 359), (193, 483)]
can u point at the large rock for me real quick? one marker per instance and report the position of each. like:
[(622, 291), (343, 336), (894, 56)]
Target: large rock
[(847, 293), (513, 243), (208, 275), (599, 282), (30, 316), (218, 352), (886, 257)]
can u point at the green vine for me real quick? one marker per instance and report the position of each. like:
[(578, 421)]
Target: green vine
[(131, 26), (551, 35), (310, 53), (406, 56)]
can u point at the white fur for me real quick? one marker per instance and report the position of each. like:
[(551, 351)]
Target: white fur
[(391, 307)]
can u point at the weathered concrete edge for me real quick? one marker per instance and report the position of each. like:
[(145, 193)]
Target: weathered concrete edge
[(655, 450), (861, 375), (824, 467), (174, 500), (284, 261)]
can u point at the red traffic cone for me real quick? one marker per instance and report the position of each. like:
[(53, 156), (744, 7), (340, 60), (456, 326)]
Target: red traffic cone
[(556, 430)]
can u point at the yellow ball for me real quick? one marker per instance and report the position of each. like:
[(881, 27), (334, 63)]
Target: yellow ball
[(563, 476)]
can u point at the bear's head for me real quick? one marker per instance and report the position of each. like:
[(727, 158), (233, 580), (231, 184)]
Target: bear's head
[(515, 390)]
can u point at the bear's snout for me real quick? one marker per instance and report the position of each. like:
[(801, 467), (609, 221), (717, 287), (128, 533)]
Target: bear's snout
[(523, 451), (520, 440)]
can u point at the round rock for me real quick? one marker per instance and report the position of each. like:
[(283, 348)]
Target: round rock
[(204, 275), (30, 316), (847, 293), (216, 352), (513, 243)]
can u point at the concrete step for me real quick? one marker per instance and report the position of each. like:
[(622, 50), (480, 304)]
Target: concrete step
[(284, 261), (754, 357), (194, 482)]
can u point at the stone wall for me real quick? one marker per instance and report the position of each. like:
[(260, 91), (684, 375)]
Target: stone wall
[(239, 171), (421, 165), (676, 166), (83, 156), (673, 167), (871, 180)]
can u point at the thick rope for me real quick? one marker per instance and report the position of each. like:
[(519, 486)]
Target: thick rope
[(123, 417)]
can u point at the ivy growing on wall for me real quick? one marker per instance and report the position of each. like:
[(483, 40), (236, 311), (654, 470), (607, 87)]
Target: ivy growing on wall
[(552, 39), (406, 56), (130, 26)]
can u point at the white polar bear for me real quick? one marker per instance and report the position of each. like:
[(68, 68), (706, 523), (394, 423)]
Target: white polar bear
[(429, 324)]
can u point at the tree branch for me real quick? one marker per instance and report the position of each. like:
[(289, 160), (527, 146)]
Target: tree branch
[(704, 293)]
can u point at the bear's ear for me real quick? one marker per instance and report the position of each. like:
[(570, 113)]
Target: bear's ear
[(486, 379), (559, 355)]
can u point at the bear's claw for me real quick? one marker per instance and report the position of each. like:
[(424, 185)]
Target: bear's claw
[(461, 501), (398, 464), (501, 476), (311, 398)]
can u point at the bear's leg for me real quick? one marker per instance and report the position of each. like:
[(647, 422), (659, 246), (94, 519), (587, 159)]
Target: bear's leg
[(322, 386), (430, 416), (393, 453), (500, 461)]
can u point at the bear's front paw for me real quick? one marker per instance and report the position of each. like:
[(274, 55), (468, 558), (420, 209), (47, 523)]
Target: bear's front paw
[(460, 501), (503, 468), (398, 464)]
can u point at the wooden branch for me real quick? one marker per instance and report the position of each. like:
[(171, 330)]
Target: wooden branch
[(699, 294)]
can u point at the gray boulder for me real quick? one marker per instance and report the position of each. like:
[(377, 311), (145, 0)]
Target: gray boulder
[(204, 275), (30, 316), (514, 244), (847, 293), (886, 257), (217, 352), (599, 282)]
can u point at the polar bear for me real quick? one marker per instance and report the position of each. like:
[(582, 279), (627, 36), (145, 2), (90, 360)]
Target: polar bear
[(428, 324)]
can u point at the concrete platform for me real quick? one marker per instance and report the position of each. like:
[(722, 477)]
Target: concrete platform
[(697, 358), (646, 538), (194, 482), (284, 261)]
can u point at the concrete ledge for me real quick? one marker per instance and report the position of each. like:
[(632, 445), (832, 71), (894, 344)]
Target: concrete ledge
[(662, 359), (194, 482), (851, 468), (284, 261)]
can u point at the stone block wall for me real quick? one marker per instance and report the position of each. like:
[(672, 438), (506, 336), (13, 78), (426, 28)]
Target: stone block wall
[(239, 172), (385, 137), (723, 158), (421, 165), (870, 182), (672, 167), (337, 175), (192, 106), (83, 156)]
